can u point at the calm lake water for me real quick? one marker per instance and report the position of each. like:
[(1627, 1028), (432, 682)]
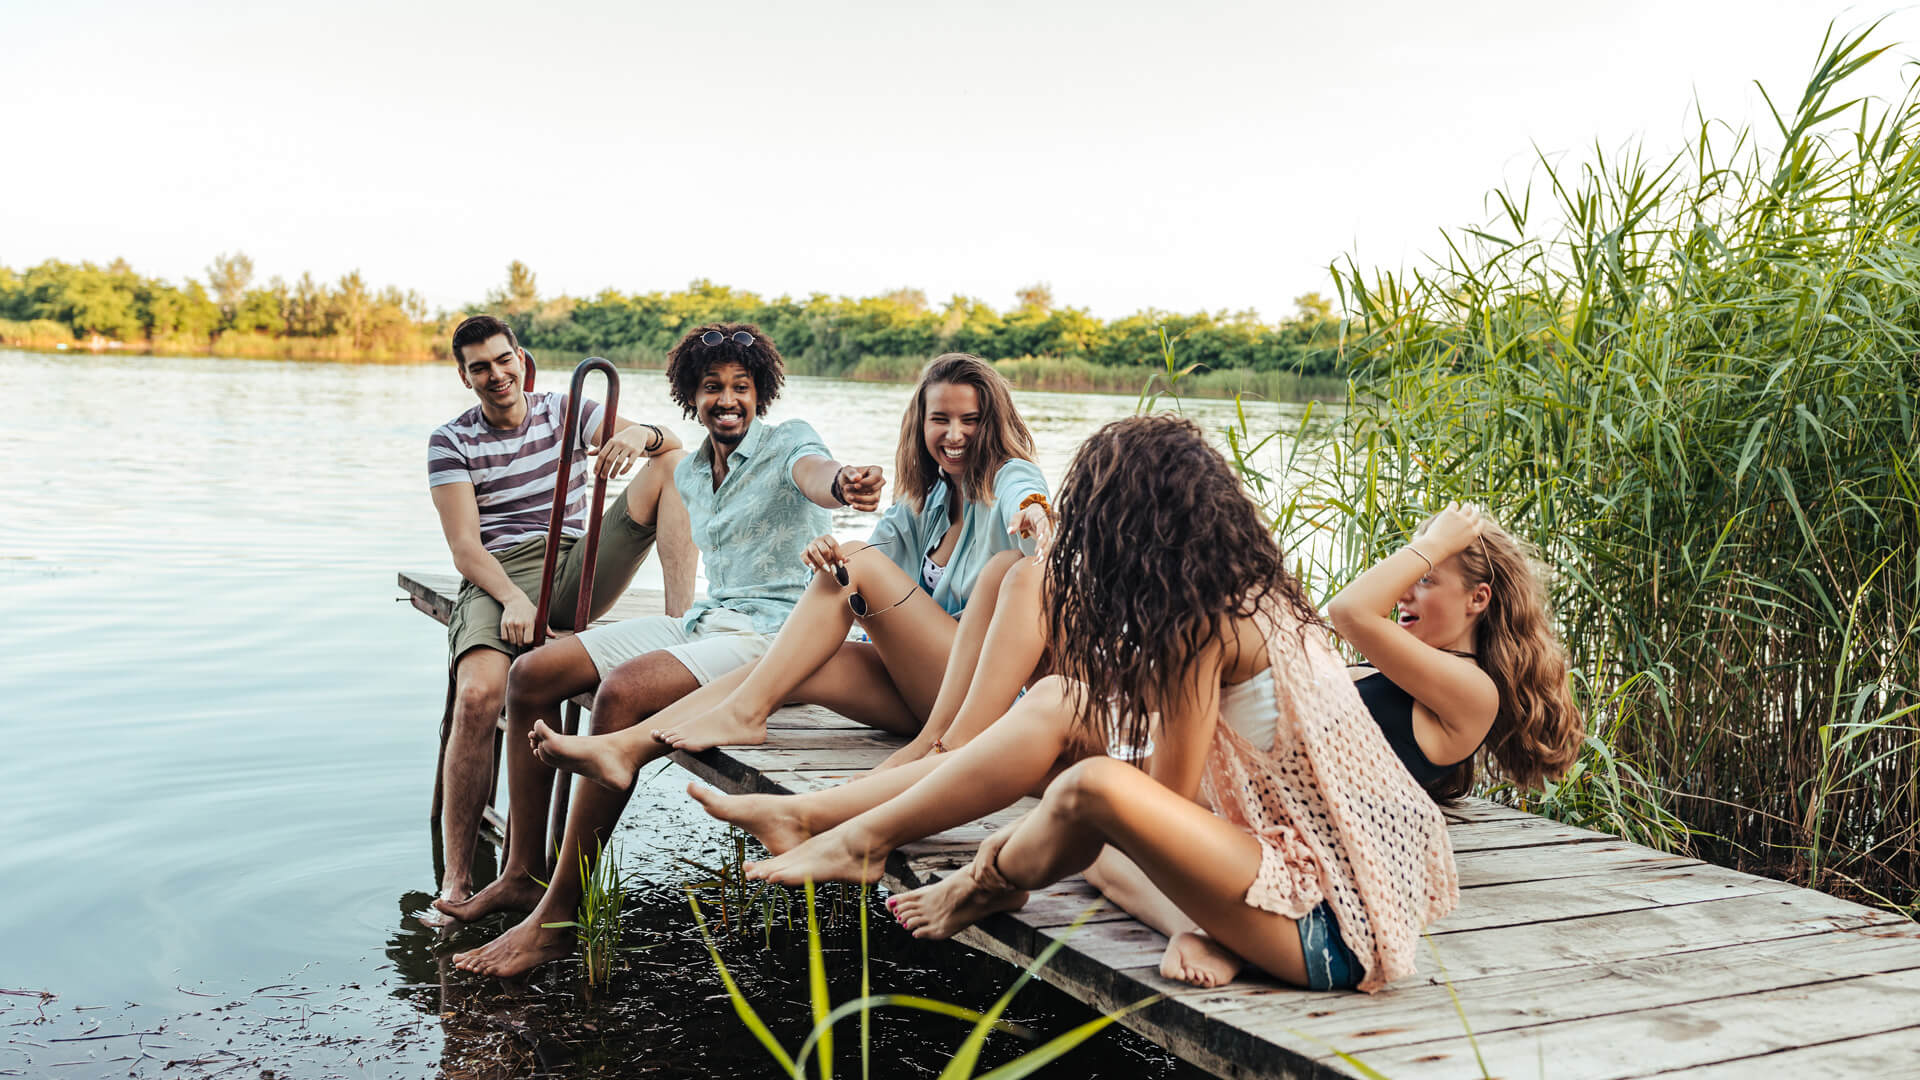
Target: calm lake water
[(221, 736)]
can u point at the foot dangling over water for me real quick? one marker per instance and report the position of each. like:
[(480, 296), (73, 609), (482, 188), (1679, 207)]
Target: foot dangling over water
[(839, 854), (770, 818), (518, 951), (952, 904), (511, 891), (721, 727), (590, 756)]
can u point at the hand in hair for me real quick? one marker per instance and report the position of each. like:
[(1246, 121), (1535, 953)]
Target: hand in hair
[(859, 486), (1452, 529)]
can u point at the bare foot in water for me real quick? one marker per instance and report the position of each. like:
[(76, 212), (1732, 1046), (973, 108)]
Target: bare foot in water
[(451, 892), (721, 727), (592, 756), (839, 854), (1193, 957), (770, 818), (518, 951), (950, 905), (511, 891)]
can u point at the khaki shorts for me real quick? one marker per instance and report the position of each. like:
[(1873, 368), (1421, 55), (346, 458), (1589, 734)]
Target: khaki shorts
[(624, 544), (719, 642)]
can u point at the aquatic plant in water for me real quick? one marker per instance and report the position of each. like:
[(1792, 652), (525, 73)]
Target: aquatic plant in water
[(596, 926), (818, 1044)]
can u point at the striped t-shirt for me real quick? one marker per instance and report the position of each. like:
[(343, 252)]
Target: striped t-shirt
[(512, 470)]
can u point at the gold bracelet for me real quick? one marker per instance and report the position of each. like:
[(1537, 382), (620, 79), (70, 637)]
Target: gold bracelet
[(1423, 557)]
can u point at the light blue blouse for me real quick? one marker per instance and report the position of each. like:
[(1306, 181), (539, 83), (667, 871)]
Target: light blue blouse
[(907, 537)]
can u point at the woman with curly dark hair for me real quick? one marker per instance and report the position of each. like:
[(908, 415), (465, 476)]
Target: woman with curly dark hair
[(1178, 639)]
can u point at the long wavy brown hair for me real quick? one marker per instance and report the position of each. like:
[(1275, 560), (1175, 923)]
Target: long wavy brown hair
[(1001, 436), (1538, 731), (1158, 552)]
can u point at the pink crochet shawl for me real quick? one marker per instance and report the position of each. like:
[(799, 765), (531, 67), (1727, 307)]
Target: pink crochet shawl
[(1337, 815)]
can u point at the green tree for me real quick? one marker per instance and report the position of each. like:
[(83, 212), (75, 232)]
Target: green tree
[(229, 276)]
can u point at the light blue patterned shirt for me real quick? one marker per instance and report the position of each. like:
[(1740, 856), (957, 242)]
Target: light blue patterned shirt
[(753, 530), (908, 537)]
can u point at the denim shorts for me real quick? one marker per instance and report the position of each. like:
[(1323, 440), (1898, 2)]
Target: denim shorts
[(1330, 964)]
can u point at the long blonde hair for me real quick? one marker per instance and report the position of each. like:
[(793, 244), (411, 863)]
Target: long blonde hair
[(1001, 436), (1538, 731)]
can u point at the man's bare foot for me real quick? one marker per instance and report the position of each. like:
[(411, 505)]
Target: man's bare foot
[(1193, 957), (452, 891), (518, 951), (513, 890), (950, 905), (595, 757), (770, 818), (721, 727), (839, 854)]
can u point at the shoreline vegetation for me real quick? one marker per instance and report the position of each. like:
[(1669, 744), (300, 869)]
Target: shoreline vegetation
[(1693, 382), (1037, 344)]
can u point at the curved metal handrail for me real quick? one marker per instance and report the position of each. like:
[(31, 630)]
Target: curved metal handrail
[(562, 481)]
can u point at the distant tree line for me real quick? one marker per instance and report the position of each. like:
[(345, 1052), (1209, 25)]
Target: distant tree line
[(56, 302), (824, 334)]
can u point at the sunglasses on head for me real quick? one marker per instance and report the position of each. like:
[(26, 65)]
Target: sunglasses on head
[(715, 337)]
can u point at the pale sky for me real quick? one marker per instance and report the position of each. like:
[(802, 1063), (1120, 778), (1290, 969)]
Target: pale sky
[(1185, 156)]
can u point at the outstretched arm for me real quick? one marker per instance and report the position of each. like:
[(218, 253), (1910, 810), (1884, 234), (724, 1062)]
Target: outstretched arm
[(831, 484)]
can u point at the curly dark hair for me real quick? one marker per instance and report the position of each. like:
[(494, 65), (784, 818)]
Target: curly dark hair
[(689, 361), (1158, 551)]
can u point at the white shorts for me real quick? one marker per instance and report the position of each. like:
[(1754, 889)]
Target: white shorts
[(719, 642)]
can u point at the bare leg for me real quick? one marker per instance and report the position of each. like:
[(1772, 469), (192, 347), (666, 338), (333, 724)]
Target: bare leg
[(1201, 862), (479, 684), (913, 640), (633, 690), (1013, 646), (1191, 956), (853, 682), (969, 641), (1009, 759), (540, 682)]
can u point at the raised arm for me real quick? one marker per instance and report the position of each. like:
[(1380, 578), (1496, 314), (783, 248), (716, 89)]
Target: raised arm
[(1460, 695), (460, 522), (831, 484)]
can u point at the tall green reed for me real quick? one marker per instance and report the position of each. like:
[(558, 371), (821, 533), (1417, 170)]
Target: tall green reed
[(1694, 383), (817, 1047)]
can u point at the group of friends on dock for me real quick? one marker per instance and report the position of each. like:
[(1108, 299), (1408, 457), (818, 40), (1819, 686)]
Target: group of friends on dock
[(1130, 648)]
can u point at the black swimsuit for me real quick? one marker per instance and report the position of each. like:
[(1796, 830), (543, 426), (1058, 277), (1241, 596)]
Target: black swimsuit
[(1392, 709)]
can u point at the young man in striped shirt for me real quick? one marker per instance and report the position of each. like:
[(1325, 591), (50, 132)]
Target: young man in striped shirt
[(492, 471)]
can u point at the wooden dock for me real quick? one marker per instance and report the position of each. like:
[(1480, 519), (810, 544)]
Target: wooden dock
[(1573, 954)]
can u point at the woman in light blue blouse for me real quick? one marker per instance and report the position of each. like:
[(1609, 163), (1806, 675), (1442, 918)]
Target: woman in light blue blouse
[(970, 503)]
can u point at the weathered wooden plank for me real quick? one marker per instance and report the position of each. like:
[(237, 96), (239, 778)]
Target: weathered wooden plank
[(1518, 832), (1420, 1012), (1639, 1043), (1631, 889), (1501, 866), (1892, 1053)]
